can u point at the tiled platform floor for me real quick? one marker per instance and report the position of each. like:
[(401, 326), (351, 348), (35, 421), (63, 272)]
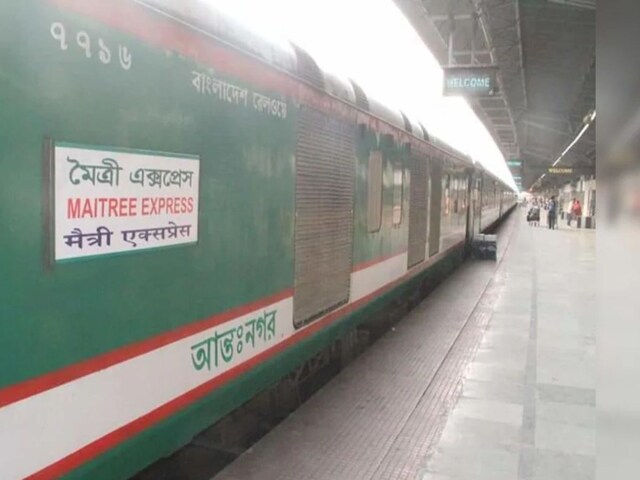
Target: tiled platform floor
[(527, 409), (491, 377)]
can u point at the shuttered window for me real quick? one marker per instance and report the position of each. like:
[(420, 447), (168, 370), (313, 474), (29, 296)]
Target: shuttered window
[(374, 191), (325, 161), (417, 210)]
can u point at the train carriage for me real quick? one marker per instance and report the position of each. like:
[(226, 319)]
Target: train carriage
[(189, 213)]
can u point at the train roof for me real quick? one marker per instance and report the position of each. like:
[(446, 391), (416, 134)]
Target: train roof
[(295, 61)]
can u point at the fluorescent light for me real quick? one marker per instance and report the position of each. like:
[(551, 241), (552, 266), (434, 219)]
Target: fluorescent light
[(575, 140), (590, 118)]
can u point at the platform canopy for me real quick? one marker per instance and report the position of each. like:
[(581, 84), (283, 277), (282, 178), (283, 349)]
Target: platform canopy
[(544, 52)]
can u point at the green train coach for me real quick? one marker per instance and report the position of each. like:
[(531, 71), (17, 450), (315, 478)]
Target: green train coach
[(188, 213)]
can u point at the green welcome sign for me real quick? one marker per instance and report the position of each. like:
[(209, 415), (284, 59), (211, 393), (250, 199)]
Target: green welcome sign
[(470, 81), (514, 162)]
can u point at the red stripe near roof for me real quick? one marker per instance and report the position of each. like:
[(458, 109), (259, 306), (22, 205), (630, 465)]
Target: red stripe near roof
[(161, 31), (109, 441), (164, 32)]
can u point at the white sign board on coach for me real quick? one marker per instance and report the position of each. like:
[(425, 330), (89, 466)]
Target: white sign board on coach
[(114, 201)]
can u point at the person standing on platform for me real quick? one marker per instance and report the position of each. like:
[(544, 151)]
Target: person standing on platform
[(577, 211), (551, 214), (570, 212)]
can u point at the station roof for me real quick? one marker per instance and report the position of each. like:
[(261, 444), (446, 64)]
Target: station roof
[(545, 54)]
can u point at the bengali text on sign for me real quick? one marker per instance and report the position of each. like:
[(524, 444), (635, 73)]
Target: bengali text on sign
[(120, 201)]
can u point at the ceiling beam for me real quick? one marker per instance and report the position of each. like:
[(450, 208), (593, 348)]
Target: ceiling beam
[(540, 155), (541, 126), (446, 18), (541, 117)]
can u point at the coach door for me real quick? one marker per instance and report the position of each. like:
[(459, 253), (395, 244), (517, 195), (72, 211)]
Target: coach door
[(325, 163), (435, 171), (418, 190)]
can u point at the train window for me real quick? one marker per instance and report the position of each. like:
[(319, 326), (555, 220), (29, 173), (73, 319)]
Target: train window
[(398, 185), (374, 191)]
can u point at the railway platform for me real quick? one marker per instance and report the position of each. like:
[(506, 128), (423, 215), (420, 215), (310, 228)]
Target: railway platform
[(492, 377)]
